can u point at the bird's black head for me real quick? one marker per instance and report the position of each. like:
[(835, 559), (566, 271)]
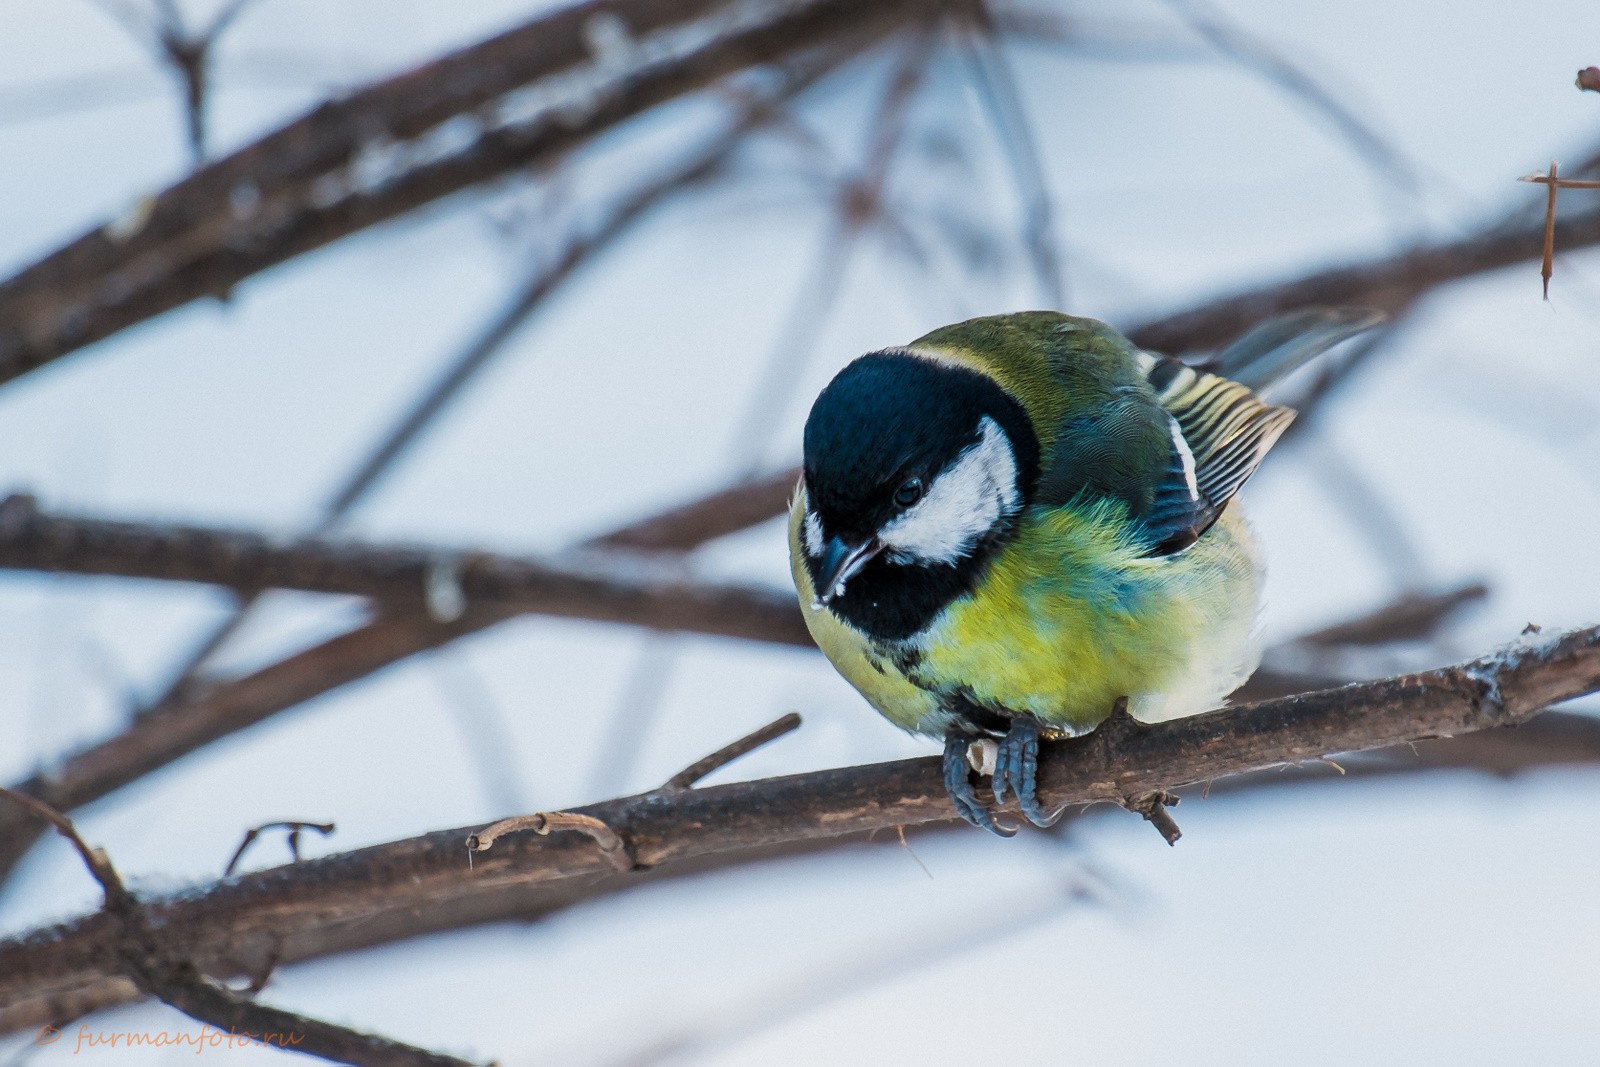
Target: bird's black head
[(914, 471)]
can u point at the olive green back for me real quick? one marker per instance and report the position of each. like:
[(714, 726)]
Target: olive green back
[(1102, 431)]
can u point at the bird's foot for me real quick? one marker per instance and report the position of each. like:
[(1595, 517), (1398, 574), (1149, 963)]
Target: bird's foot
[(962, 792), (1017, 769)]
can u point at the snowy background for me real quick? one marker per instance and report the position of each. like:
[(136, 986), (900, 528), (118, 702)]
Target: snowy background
[(1447, 919)]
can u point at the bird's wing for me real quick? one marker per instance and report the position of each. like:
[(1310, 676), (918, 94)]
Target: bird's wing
[(1221, 429), (1220, 433)]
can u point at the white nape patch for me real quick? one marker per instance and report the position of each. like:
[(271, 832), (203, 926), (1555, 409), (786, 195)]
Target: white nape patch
[(1186, 456), (966, 500), (812, 530)]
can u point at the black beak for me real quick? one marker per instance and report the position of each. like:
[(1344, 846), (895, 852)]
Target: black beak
[(841, 561)]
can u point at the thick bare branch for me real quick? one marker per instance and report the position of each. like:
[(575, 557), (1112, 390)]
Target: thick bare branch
[(511, 102), (401, 887)]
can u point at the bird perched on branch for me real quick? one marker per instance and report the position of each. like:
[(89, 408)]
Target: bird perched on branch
[(1014, 522)]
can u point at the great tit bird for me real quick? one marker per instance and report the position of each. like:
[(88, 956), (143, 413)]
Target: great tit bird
[(1014, 522)]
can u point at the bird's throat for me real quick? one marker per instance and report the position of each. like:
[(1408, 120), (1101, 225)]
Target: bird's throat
[(891, 601)]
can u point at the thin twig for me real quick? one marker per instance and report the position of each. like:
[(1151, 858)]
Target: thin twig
[(1234, 40), (686, 778), (1553, 182), (612, 844), (187, 54), (1547, 264), (997, 88)]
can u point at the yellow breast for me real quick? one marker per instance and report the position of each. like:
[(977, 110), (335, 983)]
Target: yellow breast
[(1068, 618)]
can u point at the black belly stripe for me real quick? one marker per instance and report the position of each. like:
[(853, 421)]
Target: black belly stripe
[(978, 719)]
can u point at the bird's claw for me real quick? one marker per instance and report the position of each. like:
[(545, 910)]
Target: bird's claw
[(962, 793), (1016, 769)]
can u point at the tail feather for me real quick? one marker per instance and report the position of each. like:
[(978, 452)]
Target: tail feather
[(1283, 344)]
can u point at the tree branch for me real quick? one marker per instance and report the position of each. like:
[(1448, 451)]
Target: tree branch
[(709, 162), (164, 736), (395, 887), (614, 587), (724, 512), (1389, 283), (508, 103), (143, 952), (208, 713)]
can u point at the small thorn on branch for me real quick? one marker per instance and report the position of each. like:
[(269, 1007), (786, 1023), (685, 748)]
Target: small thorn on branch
[(1547, 265), (1552, 181), (293, 826), (612, 846), (1153, 806)]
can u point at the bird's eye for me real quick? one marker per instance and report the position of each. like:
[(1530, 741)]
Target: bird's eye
[(909, 493)]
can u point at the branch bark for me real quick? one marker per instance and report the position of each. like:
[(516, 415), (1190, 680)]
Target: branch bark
[(396, 887)]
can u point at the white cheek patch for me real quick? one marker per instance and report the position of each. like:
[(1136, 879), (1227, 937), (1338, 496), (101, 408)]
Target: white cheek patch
[(812, 532), (967, 500)]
